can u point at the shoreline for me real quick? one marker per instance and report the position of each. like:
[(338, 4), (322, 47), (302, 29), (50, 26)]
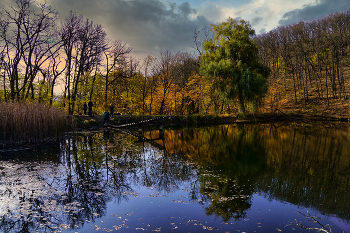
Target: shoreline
[(85, 122)]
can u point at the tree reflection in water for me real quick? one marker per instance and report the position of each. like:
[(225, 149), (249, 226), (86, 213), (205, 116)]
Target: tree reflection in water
[(307, 165), (223, 167), (229, 165)]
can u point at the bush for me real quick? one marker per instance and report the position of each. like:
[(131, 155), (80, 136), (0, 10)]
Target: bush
[(93, 122)]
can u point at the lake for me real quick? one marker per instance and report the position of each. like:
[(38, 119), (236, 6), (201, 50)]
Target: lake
[(286, 177)]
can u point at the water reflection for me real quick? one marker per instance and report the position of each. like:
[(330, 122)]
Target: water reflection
[(230, 168), (221, 167), (301, 164)]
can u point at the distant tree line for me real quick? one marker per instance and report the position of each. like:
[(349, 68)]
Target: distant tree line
[(308, 60)]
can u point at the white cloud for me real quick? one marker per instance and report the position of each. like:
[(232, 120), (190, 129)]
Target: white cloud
[(212, 11), (263, 14)]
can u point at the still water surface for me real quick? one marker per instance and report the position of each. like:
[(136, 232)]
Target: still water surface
[(227, 178)]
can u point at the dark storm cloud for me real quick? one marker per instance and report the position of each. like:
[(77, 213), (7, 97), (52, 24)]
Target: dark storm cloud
[(256, 20), (145, 25), (262, 31), (309, 12)]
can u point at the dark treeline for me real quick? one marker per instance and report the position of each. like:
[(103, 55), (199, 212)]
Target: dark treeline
[(308, 60)]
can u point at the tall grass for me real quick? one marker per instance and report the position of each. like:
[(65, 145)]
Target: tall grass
[(24, 123)]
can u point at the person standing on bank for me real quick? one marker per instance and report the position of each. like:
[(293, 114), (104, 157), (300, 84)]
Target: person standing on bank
[(112, 109), (105, 116), (85, 108), (90, 108)]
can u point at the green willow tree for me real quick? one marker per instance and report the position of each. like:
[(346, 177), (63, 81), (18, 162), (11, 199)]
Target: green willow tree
[(230, 60)]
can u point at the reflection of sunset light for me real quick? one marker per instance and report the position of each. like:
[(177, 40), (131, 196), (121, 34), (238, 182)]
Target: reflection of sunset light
[(23, 183)]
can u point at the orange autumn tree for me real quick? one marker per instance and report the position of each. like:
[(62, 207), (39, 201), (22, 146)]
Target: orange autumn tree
[(185, 67), (164, 82), (197, 91)]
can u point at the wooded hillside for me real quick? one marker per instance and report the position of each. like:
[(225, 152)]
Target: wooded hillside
[(310, 64)]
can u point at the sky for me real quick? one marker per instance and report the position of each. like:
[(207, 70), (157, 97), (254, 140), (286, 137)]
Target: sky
[(151, 26)]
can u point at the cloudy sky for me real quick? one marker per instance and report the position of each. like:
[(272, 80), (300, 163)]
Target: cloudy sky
[(149, 26)]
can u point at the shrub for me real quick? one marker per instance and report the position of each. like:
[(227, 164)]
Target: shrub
[(93, 122)]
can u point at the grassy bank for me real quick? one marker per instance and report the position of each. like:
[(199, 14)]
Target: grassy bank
[(22, 123)]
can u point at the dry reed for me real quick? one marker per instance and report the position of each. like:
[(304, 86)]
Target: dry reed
[(24, 123)]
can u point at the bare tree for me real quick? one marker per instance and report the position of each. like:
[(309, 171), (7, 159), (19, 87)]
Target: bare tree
[(69, 36), (114, 57), (28, 36), (84, 45), (147, 82), (55, 69), (91, 46), (165, 76), (197, 40), (184, 66)]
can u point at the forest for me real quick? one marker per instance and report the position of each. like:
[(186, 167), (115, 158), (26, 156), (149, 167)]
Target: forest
[(309, 64), (305, 67)]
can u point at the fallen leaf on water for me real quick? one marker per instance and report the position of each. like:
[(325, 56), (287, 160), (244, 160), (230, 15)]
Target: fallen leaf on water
[(65, 226), (117, 227)]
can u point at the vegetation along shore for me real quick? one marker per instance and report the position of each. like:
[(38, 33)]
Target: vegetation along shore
[(22, 123)]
